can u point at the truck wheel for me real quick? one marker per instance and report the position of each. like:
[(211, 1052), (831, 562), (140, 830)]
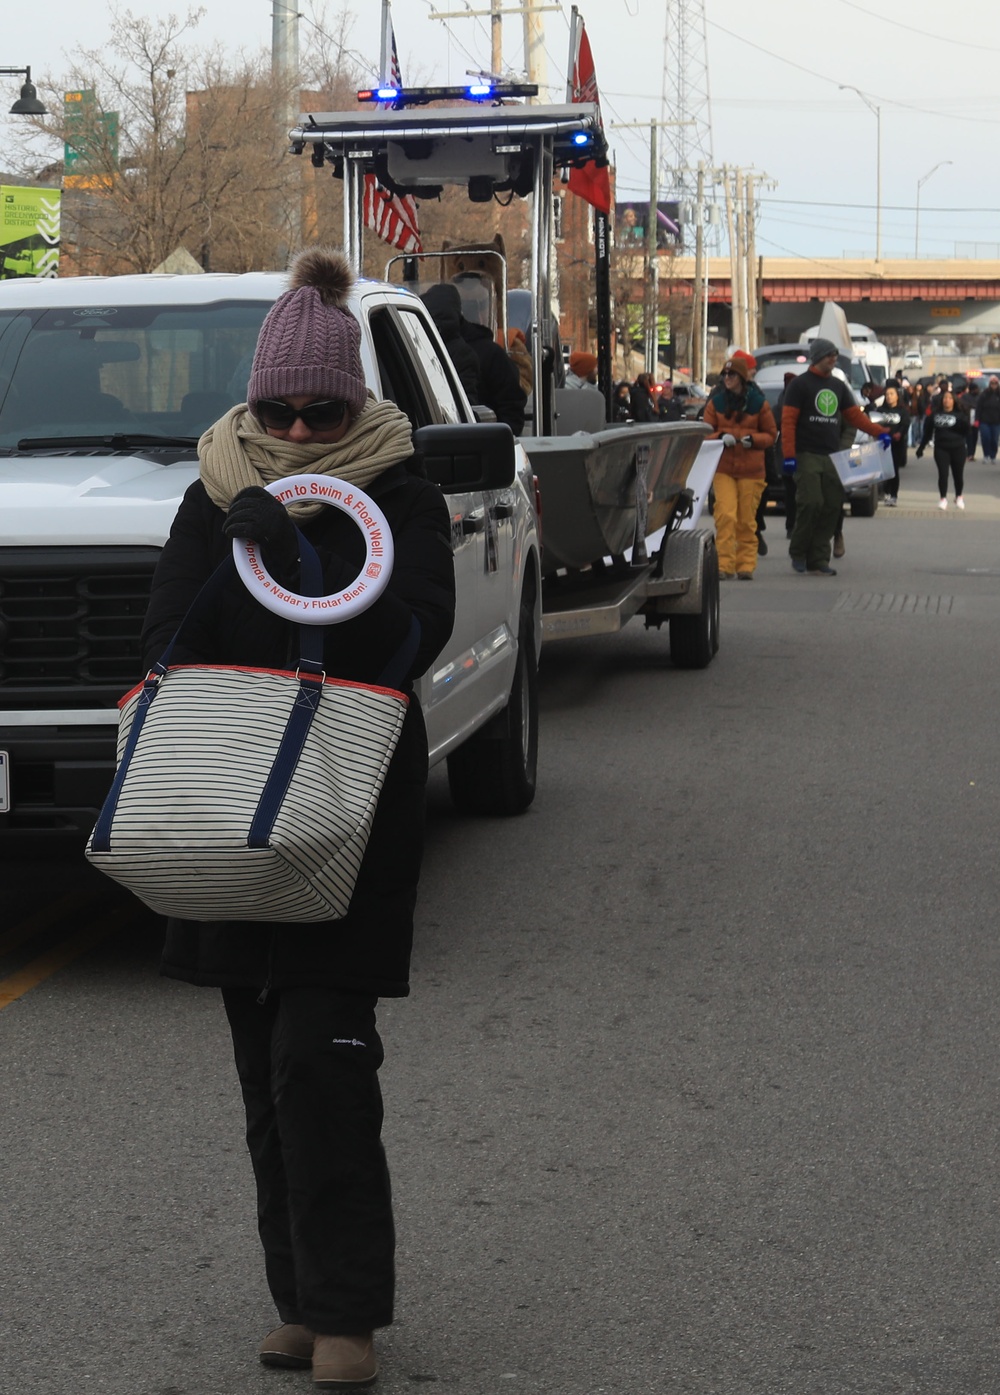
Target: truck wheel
[(694, 639), (865, 506), (494, 771)]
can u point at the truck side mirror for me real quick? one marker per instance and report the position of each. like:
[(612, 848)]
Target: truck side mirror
[(466, 457)]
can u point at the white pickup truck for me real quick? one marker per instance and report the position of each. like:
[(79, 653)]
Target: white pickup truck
[(106, 385)]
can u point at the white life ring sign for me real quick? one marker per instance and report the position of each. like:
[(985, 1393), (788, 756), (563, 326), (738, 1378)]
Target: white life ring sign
[(366, 587)]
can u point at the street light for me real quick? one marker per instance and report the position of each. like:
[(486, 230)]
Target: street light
[(916, 224), (28, 103), (872, 106)]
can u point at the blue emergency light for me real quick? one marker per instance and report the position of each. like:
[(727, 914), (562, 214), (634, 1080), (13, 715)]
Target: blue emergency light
[(472, 92)]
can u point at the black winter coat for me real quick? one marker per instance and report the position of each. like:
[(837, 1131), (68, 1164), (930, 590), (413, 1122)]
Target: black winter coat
[(369, 950), (462, 355), (498, 377), (988, 407), (643, 407)]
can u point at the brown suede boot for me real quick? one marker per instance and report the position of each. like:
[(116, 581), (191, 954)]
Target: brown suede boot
[(343, 1363), (288, 1345)]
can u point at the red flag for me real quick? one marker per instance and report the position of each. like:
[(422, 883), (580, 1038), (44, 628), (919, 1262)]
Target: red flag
[(392, 218), (592, 182)]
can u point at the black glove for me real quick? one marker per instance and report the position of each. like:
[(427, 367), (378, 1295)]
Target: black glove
[(920, 451), (256, 514)]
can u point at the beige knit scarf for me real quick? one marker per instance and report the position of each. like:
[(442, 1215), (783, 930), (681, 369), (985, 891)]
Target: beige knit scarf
[(236, 453)]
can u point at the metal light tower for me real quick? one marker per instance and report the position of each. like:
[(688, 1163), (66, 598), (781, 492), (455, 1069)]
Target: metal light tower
[(686, 110)]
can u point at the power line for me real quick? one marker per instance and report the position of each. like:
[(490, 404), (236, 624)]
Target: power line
[(936, 37), (885, 101), (890, 207)]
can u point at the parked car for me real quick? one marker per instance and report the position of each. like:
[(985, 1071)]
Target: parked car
[(796, 358)]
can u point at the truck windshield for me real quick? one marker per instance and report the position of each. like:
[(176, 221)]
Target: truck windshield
[(156, 371)]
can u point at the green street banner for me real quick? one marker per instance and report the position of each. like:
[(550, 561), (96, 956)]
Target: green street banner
[(29, 232)]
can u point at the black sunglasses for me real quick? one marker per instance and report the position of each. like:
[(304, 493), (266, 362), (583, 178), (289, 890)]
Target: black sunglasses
[(317, 416)]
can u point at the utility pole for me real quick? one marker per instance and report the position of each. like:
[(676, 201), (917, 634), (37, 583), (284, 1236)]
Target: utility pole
[(651, 292), (741, 259), (534, 35), (534, 46), (754, 264), (731, 236), (285, 73), (496, 39), (697, 306), (753, 298), (652, 297)]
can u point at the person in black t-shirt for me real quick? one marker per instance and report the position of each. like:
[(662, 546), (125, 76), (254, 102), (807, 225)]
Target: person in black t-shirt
[(816, 406), (895, 420), (947, 426)]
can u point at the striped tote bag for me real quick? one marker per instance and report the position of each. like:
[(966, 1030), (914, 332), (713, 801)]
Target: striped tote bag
[(247, 794)]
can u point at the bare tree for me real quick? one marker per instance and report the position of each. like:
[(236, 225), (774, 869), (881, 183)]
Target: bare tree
[(178, 148)]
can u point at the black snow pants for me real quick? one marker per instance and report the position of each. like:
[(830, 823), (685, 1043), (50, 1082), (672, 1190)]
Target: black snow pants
[(308, 1061)]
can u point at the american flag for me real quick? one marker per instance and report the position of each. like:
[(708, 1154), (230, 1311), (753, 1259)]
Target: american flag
[(392, 217)]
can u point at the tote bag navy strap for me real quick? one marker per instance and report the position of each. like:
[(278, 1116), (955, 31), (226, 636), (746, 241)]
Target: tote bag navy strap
[(310, 663)]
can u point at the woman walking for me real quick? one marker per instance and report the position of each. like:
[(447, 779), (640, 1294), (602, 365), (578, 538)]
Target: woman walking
[(301, 999), (896, 420), (641, 397), (918, 410), (740, 417), (947, 426)]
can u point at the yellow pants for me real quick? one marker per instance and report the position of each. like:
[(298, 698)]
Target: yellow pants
[(736, 503)]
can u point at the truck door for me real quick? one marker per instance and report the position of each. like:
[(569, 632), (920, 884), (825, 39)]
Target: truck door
[(466, 682)]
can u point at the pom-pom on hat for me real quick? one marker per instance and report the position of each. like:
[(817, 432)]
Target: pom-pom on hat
[(310, 343), (582, 363)]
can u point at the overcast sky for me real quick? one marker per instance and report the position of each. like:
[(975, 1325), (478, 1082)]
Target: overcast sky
[(775, 67)]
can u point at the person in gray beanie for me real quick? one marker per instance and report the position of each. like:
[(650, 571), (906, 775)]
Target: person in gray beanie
[(300, 999), (817, 404)]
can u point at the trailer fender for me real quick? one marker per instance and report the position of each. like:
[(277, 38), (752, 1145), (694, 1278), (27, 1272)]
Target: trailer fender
[(685, 558)]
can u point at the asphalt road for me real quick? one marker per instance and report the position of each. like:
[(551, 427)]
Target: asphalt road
[(696, 1092)]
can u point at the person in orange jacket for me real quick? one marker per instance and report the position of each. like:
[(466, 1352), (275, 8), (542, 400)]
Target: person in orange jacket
[(741, 419)]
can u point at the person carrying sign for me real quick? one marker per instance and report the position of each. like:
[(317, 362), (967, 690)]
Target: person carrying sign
[(816, 406)]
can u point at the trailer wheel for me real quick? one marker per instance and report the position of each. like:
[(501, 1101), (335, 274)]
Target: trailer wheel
[(694, 639), (494, 771)]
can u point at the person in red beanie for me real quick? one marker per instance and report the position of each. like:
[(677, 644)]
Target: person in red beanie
[(740, 417), (301, 999), (582, 370), (741, 356)]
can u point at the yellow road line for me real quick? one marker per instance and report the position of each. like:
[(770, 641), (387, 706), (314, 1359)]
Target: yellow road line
[(72, 903), (38, 970)]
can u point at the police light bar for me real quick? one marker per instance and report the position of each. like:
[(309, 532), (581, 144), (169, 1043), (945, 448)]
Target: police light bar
[(472, 92)]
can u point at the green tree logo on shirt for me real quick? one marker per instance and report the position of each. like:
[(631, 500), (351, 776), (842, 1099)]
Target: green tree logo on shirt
[(827, 403)]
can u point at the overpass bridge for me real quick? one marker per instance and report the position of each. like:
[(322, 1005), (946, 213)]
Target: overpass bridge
[(912, 297)]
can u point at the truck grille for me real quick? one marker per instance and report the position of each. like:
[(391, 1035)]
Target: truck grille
[(70, 621)]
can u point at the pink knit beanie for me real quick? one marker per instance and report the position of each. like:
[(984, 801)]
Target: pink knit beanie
[(310, 343)]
